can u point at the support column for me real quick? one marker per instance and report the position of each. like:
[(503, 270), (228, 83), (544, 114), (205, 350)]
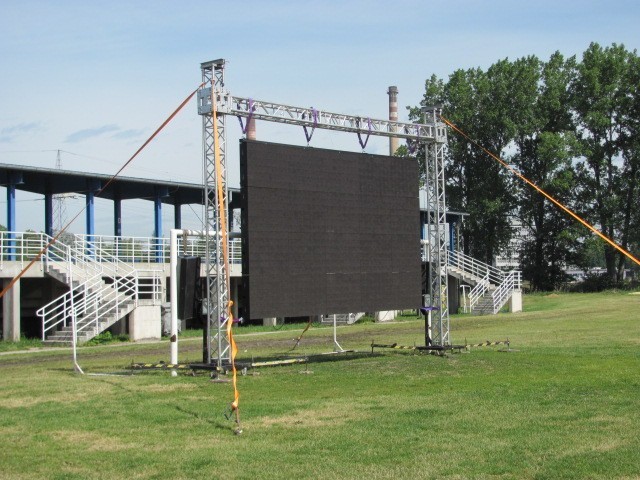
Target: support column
[(157, 229), (11, 220), (214, 147), (93, 186), (90, 217), (11, 312), (48, 214), (117, 217), (157, 221), (452, 236), (177, 216), (90, 222)]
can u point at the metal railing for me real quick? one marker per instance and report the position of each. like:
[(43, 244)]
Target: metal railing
[(150, 284), (133, 250), (478, 291), (23, 247), (486, 276), (88, 303), (474, 267), (100, 282), (113, 283), (504, 291), (19, 247)]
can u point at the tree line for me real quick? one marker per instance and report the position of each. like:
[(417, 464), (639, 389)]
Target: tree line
[(572, 127)]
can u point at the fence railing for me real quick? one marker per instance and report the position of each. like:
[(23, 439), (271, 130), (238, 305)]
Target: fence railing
[(149, 285), (478, 291), (88, 304), (111, 283), (500, 296), (23, 247), (475, 267), (155, 249)]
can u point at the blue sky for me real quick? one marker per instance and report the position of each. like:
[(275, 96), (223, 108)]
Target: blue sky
[(95, 78)]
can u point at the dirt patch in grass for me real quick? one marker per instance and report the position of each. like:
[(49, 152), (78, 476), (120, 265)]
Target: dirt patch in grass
[(336, 414), (91, 441), (164, 388), (27, 402)]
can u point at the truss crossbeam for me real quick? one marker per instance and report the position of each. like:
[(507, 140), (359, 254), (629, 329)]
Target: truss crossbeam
[(308, 117)]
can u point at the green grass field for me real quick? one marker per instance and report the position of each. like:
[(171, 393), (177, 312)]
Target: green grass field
[(564, 404)]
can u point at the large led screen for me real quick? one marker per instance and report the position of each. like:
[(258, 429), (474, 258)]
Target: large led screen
[(327, 232)]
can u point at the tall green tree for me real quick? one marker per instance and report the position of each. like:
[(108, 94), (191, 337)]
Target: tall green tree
[(630, 145), (545, 147), (476, 100), (599, 96), (571, 127)]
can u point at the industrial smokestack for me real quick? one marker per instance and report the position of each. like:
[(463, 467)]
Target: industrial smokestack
[(393, 117), (251, 129)]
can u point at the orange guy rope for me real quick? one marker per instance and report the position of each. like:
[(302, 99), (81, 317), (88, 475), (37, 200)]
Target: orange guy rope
[(542, 192), (63, 229), (222, 218), (301, 335)]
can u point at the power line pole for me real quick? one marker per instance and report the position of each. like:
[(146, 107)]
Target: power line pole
[(59, 204)]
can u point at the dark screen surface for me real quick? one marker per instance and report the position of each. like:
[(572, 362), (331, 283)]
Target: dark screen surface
[(327, 232)]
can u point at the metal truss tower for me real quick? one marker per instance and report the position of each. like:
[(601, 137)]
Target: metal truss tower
[(436, 229), (216, 348), (432, 133)]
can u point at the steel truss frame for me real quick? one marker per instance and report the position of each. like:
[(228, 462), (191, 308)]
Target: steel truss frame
[(436, 231), (432, 133), (217, 295)]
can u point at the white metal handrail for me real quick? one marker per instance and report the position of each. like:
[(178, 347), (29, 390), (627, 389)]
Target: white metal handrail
[(474, 267), (112, 283), (88, 303), (478, 291), (59, 311), (149, 284), (95, 305), (22, 247), (505, 290), (103, 281), (133, 250), (128, 250)]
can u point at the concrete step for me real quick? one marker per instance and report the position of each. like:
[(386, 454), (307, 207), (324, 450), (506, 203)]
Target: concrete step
[(79, 275), (467, 277), (63, 336)]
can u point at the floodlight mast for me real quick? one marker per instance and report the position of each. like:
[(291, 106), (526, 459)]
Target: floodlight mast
[(432, 133)]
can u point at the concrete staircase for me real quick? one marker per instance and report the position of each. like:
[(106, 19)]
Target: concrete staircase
[(63, 275), (102, 290), (484, 305), (88, 327), (492, 288)]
